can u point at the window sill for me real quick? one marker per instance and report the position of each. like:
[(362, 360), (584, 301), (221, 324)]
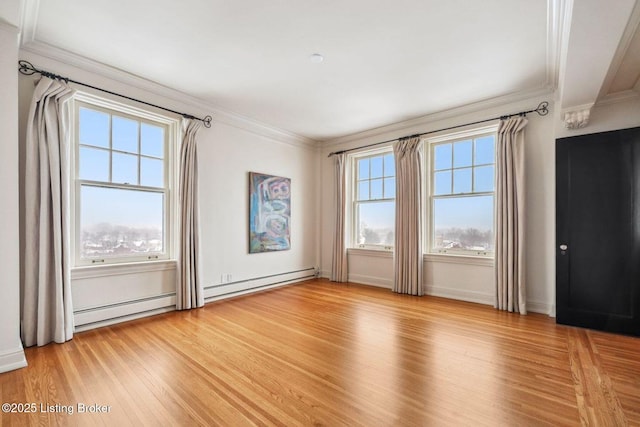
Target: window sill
[(93, 271), (378, 253), (459, 259), (438, 258)]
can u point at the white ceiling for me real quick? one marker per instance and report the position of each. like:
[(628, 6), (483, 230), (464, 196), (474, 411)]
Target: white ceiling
[(385, 61)]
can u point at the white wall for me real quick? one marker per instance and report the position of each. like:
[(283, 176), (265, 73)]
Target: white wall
[(226, 152), (226, 157), (466, 279), (11, 352)]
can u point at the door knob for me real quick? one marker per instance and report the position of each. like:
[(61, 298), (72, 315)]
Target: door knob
[(563, 247)]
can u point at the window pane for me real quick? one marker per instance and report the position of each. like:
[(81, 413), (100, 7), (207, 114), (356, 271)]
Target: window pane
[(462, 181), (151, 172), (376, 189), (483, 178), (376, 167), (389, 165), (389, 188), (442, 184), (94, 128), (363, 190), (462, 154), (375, 224), (442, 159), (463, 223), (363, 169), (151, 140), (94, 164), (125, 134), (116, 222), (124, 169), (485, 150)]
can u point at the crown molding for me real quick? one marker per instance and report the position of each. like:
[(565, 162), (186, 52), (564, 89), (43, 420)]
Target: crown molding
[(623, 96), (399, 128), (558, 25), (29, 20), (219, 114)]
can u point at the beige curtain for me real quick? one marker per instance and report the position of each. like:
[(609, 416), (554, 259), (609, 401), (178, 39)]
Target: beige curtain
[(339, 270), (47, 311), (510, 216), (189, 292), (408, 235)]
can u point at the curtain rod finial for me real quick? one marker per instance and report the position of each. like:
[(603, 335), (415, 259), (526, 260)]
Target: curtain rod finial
[(26, 67), (543, 108)]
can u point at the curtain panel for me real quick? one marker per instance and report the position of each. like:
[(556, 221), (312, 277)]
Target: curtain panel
[(510, 216), (47, 310), (408, 263), (339, 268), (189, 291)]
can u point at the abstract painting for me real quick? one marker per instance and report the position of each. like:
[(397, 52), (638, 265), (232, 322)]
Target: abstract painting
[(269, 213)]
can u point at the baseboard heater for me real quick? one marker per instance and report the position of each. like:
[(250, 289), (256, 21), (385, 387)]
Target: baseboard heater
[(110, 314), (227, 290), (94, 317)]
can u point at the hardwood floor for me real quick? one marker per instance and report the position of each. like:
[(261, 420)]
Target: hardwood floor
[(321, 353)]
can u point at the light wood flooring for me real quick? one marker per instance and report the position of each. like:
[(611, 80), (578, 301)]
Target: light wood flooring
[(321, 353)]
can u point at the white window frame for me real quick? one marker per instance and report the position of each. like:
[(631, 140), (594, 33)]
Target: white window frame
[(353, 166), (431, 143), (171, 135)]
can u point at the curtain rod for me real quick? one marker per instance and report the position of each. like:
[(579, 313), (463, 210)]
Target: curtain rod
[(542, 109), (28, 69)]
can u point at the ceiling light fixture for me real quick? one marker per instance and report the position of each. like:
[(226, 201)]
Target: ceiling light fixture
[(316, 58)]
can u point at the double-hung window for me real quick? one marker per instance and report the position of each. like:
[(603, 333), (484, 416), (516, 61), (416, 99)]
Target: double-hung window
[(374, 200), (462, 188), (122, 185)]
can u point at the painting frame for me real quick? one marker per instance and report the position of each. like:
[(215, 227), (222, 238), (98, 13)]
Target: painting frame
[(269, 213)]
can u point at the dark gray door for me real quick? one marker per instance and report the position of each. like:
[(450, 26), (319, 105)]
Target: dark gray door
[(598, 231)]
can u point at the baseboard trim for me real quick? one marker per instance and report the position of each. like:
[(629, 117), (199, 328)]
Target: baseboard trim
[(542, 308), (460, 295), (243, 287), (126, 318), (12, 359), (256, 289), (371, 281), (439, 291), (436, 291), (96, 317)]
